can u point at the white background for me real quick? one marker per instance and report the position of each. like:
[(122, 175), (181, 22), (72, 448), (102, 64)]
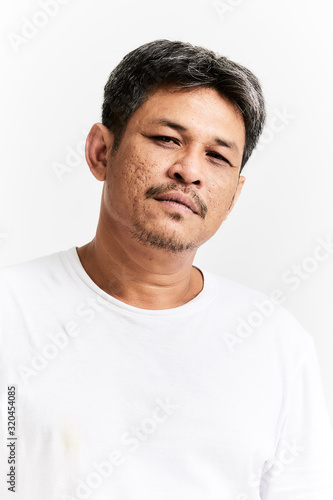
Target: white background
[(51, 93)]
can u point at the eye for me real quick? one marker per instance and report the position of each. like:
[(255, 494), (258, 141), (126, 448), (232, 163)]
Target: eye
[(165, 139), (217, 156)]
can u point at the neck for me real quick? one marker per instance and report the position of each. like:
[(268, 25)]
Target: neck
[(140, 275)]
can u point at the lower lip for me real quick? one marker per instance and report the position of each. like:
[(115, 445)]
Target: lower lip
[(176, 207)]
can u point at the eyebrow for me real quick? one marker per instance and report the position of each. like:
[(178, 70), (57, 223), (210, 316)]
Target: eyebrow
[(177, 126)]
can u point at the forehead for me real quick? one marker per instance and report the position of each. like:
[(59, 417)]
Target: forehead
[(203, 97)]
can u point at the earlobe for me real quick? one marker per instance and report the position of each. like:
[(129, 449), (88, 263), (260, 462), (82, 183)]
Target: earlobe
[(98, 146)]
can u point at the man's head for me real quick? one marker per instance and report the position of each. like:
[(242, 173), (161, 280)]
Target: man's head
[(177, 64), (179, 123)]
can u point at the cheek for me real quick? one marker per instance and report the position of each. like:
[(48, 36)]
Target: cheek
[(139, 176), (129, 178), (219, 198)]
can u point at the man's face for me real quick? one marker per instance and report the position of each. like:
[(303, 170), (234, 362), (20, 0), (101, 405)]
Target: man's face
[(175, 174)]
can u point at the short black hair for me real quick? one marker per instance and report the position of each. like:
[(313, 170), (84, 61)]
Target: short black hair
[(175, 63)]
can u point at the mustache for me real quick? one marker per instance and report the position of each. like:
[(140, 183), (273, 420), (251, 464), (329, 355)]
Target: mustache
[(162, 189)]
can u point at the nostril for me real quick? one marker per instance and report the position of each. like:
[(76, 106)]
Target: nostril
[(185, 177), (178, 176)]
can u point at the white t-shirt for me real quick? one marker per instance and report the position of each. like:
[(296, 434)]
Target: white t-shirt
[(218, 399)]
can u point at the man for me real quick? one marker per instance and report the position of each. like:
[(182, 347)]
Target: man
[(127, 372)]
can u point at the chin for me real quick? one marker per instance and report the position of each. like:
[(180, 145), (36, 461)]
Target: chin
[(162, 240)]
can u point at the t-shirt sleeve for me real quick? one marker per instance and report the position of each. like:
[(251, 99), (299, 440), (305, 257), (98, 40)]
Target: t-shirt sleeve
[(302, 468)]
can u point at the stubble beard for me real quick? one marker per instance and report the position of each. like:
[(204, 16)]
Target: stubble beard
[(160, 241)]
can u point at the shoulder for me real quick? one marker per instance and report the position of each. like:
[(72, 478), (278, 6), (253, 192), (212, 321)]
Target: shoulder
[(235, 294), (255, 314), (24, 275)]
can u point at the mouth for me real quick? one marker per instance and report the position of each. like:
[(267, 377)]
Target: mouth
[(178, 201)]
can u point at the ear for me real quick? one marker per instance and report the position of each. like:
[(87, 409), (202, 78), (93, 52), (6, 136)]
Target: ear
[(98, 147), (238, 191)]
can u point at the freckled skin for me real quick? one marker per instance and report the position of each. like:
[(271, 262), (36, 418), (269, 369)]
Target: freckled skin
[(140, 163)]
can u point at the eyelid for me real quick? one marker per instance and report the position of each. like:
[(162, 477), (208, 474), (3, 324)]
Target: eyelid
[(159, 137), (221, 157)]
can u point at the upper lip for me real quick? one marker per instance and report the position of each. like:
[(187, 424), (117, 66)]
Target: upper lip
[(178, 198)]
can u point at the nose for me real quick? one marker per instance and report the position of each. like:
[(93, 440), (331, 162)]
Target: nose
[(187, 169)]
